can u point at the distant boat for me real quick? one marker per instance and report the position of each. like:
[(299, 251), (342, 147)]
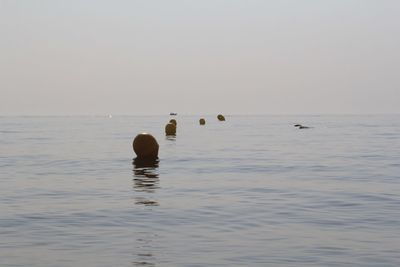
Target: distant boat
[(173, 114)]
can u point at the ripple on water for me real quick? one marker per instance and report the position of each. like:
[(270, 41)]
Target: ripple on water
[(249, 192)]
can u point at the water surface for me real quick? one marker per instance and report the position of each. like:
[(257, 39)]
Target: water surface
[(250, 191)]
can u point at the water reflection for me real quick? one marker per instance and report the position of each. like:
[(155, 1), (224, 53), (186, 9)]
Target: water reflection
[(145, 174), (170, 137), (145, 183)]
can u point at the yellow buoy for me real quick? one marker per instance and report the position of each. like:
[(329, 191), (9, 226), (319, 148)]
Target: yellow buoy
[(202, 121), (170, 129), (220, 117), (145, 146)]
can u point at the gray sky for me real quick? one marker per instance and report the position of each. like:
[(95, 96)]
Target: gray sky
[(199, 57)]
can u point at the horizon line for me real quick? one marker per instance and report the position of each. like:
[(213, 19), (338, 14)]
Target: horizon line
[(191, 114)]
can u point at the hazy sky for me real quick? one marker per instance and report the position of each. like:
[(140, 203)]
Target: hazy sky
[(199, 57)]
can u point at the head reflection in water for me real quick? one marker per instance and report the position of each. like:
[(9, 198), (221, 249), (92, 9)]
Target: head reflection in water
[(145, 179)]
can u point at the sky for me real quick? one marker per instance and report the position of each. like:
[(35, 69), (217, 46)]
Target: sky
[(149, 57)]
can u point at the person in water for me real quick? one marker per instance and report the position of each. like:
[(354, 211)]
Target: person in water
[(301, 126)]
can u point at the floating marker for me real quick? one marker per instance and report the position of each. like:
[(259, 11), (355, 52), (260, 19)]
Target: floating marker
[(202, 121), (220, 117), (173, 121), (145, 146), (170, 129)]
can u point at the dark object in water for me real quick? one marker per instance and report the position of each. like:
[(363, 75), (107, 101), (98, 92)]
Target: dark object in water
[(173, 121), (301, 126), (202, 121), (145, 146), (173, 114), (140, 163), (146, 178), (220, 117), (170, 129)]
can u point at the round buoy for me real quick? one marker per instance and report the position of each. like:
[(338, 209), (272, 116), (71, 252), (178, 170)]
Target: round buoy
[(145, 146), (173, 121), (221, 117), (170, 129), (202, 121)]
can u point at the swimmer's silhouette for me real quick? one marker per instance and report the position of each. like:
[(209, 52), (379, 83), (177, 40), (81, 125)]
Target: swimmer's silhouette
[(301, 126)]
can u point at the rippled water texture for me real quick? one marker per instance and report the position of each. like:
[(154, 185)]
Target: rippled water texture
[(250, 191)]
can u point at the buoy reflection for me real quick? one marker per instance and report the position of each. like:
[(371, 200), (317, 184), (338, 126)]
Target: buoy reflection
[(145, 174)]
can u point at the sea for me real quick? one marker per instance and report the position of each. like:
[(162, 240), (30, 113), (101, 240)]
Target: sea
[(249, 191)]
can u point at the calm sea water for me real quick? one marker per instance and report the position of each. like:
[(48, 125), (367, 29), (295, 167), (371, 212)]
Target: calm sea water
[(251, 191)]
